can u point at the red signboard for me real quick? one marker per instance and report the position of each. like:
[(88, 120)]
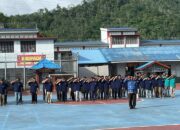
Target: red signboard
[(28, 60)]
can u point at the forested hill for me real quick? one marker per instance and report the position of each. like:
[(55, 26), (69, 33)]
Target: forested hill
[(155, 19)]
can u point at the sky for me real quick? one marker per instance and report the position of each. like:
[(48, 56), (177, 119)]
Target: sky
[(14, 7)]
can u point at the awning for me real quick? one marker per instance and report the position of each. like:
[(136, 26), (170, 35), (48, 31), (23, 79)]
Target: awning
[(149, 64), (45, 64)]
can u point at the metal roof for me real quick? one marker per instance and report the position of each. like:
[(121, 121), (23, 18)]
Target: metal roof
[(90, 56), (82, 43), (120, 29), (136, 54)]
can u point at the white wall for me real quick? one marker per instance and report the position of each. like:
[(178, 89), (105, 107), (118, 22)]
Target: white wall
[(132, 45), (90, 71), (104, 37), (45, 47)]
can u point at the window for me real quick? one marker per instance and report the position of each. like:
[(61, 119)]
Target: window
[(117, 40), (6, 46), (131, 40), (28, 46)]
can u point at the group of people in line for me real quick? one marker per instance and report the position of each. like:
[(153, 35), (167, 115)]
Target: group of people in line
[(94, 88)]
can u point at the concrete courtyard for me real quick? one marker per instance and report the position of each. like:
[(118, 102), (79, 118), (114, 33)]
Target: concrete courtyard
[(42, 116)]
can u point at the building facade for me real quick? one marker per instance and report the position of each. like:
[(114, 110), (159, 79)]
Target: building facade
[(120, 37), (22, 48)]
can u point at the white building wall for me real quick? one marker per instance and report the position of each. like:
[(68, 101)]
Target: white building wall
[(45, 47), (118, 46), (90, 71), (104, 37), (132, 45)]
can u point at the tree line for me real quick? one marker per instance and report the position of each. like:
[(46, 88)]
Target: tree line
[(155, 19)]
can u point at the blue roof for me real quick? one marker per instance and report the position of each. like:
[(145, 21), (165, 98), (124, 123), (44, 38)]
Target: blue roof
[(121, 55), (90, 56), (45, 64)]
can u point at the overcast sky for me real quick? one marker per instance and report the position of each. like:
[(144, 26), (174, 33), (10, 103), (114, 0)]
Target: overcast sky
[(13, 7)]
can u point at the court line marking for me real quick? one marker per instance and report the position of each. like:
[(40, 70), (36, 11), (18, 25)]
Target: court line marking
[(137, 127)]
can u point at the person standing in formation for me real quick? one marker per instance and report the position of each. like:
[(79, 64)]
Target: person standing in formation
[(48, 86), (33, 89), (18, 88)]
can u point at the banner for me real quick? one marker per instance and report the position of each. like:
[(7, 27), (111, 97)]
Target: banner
[(28, 60)]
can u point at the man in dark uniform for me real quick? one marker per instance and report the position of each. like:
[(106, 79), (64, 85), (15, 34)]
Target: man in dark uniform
[(160, 82), (62, 89), (33, 89), (132, 90), (93, 88), (2, 93), (6, 84), (105, 82), (18, 87), (48, 89)]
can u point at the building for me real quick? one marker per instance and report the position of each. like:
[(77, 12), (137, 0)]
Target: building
[(63, 49), (22, 48), (120, 37), (122, 61)]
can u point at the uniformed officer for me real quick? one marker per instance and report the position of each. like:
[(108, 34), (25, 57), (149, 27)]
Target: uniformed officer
[(93, 88), (76, 88), (48, 89), (18, 87), (105, 83), (62, 89), (2, 93), (148, 87), (33, 89), (160, 82)]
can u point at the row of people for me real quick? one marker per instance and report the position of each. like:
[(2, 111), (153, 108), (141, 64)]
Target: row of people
[(100, 87)]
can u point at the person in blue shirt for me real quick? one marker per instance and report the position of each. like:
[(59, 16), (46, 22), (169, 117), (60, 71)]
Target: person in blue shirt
[(86, 88), (93, 88), (101, 87), (18, 87), (2, 93), (160, 82), (154, 86), (105, 83), (48, 89), (62, 89), (115, 86), (132, 90), (76, 85), (33, 89), (142, 92), (148, 87), (120, 82)]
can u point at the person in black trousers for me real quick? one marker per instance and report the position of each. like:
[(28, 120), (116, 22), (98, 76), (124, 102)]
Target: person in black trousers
[(33, 89), (132, 90)]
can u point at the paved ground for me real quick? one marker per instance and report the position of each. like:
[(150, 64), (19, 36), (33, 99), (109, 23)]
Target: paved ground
[(149, 112)]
